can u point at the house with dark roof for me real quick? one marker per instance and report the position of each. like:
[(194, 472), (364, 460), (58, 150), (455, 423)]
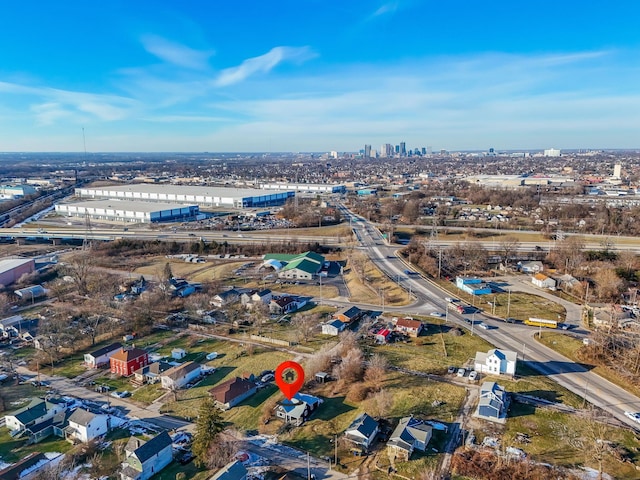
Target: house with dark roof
[(35, 413), (231, 471), (230, 393), (333, 327), (29, 467), (145, 459), (100, 357), (493, 402), (349, 314), (226, 298), (286, 304), (362, 431), (150, 373), (298, 409), (180, 375), (126, 361), (410, 434), (83, 426)]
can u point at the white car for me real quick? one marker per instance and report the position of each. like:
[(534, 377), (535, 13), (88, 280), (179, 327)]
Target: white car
[(437, 314), (461, 372), (473, 375), (212, 356), (484, 325), (635, 416)]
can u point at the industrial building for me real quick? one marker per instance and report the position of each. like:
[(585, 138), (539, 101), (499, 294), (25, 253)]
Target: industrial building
[(11, 269), (16, 191), (202, 196), (128, 211), (305, 187)]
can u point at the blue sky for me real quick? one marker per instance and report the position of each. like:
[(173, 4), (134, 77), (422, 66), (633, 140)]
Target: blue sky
[(310, 75)]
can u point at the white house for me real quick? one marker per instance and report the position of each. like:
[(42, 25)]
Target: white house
[(362, 431), (178, 353), (531, 267), (100, 357), (540, 280), (145, 459), (333, 328), (410, 434), (179, 376), (37, 411), (85, 426), (496, 362)]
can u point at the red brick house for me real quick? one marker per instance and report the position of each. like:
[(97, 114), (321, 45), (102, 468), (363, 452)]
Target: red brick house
[(125, 362)]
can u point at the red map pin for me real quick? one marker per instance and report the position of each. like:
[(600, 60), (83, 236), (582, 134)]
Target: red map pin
[(289, 378)]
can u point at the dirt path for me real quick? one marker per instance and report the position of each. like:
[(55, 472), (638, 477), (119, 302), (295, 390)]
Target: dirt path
[(457, 430)]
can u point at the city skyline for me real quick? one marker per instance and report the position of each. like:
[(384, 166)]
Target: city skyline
[(312, 76)]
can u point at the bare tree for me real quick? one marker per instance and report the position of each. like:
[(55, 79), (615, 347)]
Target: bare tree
[(380, 403), (79, 267), (350, 369), (508, 247), (376, 370), (305, 325), (608, 284)]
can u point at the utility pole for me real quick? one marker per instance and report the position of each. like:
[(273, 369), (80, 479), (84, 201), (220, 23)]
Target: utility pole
[(308, 466), (439, 263), (524, 349), (509, 303), (335, 442)]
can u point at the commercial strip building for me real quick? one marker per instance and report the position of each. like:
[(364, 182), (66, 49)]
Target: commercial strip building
[(128, 211), (193, 195), (11, 269)]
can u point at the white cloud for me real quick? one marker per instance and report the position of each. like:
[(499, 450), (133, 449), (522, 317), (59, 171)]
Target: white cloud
[(175, 53), (262, 64), (384, 9)]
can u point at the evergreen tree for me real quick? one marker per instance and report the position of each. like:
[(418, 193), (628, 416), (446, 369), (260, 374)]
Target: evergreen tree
[(208, 425)]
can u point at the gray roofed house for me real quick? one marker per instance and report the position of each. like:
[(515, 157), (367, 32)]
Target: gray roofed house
[(410, 434), (180, 375), (36, 412), (85, 426), (144, 459), (299, 409), (150, 373), (101, 356), (493, 403), (362, 431), (231, 471)]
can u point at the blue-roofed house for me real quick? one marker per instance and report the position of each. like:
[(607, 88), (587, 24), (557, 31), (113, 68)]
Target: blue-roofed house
[(362, 431), (299, 409), (333, 327), (493, 402)]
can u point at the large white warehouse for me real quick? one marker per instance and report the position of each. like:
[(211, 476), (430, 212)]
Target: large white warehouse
[(306, 187), (128, 211), (203, 196)]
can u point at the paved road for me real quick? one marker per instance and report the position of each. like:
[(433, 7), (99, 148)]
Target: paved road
[(519, 338), (151, 414)]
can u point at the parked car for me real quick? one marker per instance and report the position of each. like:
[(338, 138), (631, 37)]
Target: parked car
[(461, 372), (212, 355), (267, 378), (451, 369), (185, 458), (473, 375)]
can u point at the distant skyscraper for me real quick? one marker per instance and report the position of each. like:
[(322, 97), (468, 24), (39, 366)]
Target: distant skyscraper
[(403, 149), (617, 171), (424, 151), (552, 152), (367, 151), (397, 149), (429, 150)]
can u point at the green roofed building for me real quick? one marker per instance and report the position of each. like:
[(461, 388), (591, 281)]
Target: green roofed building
[(304, 266)]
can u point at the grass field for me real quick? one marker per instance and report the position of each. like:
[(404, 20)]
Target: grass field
[(427, 353), (569, 346), (328, 231), (233, 360), (12, 450), (368, 289), (16, 396), (548, 444)]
